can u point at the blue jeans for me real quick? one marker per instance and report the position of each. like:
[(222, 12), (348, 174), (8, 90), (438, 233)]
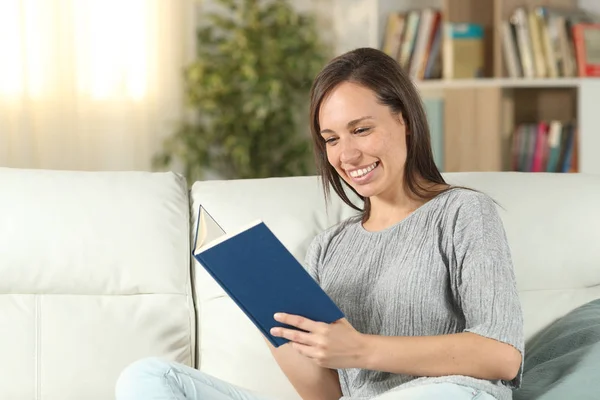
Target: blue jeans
[(155, 379)]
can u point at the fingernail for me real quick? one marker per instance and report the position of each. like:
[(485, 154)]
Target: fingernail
[(277, 315)]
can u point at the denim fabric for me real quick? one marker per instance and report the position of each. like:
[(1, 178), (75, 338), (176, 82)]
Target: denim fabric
[(156, 379)]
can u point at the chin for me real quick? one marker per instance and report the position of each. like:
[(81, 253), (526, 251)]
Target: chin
[(363, 190)]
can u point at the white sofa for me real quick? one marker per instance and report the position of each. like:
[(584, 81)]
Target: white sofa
[(95, 269)]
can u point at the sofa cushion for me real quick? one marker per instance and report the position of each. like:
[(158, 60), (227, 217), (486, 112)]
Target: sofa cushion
[(95, 274)]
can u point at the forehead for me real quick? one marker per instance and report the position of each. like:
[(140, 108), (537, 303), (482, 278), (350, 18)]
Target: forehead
[(346, 102)]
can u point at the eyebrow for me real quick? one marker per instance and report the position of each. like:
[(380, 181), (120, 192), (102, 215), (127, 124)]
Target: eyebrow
[(350, 124)]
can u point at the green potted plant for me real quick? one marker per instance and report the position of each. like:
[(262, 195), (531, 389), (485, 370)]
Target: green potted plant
[(248, 88)]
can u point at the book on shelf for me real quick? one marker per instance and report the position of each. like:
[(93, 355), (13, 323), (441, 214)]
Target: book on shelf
[(587, 48), (551, 42), (429, 48), (545, 146), (414, 40), (260, 275), (463, 51)]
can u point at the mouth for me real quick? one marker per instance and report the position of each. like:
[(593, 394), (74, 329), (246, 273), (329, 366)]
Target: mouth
[(361, 175)]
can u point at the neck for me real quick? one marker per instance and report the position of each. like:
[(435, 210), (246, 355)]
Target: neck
[(391, 208), (386, 212)]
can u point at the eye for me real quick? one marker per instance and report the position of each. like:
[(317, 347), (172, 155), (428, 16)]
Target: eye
[(330, 141), (361, 130)]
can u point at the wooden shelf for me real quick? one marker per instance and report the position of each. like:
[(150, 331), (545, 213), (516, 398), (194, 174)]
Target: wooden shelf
[(440, 84), (475, 119)]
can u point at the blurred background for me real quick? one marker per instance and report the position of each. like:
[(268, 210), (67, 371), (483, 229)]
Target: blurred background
[(219, 88)]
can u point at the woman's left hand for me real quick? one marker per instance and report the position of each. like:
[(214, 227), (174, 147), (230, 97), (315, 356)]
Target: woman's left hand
[(335, 345)]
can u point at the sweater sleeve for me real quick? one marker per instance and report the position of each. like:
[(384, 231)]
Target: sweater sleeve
[(485, 283)]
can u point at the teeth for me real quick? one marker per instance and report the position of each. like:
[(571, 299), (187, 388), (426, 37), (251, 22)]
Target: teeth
[(362, 172)]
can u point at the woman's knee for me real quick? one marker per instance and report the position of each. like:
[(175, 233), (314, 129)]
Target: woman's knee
[(140, 375)]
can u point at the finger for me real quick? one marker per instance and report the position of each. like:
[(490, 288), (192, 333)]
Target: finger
[(308, 352), (298, 321), (294, 336)]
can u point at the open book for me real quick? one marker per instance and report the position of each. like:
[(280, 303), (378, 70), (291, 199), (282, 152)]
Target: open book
[(260, 275)]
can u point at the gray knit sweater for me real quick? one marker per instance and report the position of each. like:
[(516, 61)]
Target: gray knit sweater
[(444, 269)]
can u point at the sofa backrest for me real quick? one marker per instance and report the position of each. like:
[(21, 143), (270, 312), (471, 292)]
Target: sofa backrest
[(552, 223), (94, 274), (553, 226)]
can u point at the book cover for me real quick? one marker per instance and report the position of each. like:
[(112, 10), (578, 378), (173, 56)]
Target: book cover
[(260, 275), (587, 49), (463, 51), (548, 45), (433, 66), (521, 22), (510, 52), (422, 40), (539, 151), (566, 165), (393, 34), (409, 38), (554, 140), (537, 47)]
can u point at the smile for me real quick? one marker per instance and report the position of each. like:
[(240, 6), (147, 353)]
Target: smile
[(359, 173)]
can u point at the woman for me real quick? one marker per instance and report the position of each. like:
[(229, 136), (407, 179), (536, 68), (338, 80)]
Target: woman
[(424, 274)]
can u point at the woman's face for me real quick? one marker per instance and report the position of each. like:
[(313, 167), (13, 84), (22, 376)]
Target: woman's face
[(365, 142)]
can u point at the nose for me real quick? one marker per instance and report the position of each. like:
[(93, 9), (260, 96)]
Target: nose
[(349, 154)]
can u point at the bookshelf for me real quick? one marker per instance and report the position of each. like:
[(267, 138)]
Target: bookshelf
[(480, 115), (426, 86)]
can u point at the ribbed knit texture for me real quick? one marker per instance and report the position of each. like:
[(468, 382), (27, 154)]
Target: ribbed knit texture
[(444, 269)]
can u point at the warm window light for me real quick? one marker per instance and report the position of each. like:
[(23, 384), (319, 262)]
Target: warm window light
[(111, 47), (100, 46), (11, 69)]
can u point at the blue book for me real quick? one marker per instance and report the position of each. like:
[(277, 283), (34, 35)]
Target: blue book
[(260, 275)]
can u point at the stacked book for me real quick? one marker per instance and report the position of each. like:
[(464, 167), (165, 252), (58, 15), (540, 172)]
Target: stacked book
[(429, 48), (414, 40), (549, 42), (546, 146)]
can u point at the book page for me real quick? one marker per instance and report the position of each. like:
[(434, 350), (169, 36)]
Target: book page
[(208, 230)]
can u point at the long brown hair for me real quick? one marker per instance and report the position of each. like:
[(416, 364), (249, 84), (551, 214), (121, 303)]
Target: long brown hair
[(380, 73)]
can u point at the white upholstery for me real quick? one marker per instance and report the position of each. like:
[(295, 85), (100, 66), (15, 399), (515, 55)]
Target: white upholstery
[(552, 223), (95, 269), (553, 226), (94, 272), (294, 209)]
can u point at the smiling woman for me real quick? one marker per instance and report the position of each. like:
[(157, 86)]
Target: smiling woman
[(423, 274), (386, 104)]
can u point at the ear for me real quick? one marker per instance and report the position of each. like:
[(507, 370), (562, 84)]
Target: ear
[(402, 122), (400, 119)]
